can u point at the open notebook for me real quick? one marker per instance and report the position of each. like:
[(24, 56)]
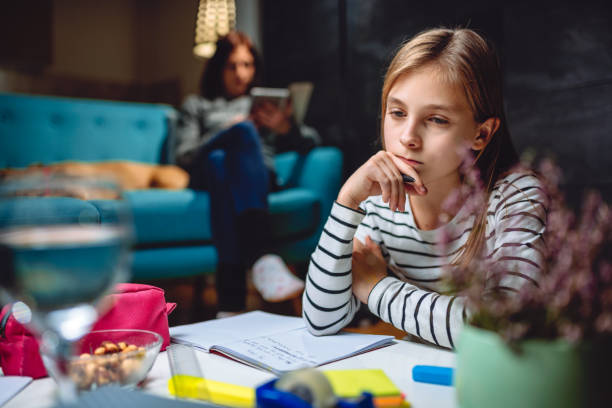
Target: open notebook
[(273, 342)]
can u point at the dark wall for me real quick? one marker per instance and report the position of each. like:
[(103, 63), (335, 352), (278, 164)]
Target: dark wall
[(30, 49), (559, 88), (302, 42), (557, 63)]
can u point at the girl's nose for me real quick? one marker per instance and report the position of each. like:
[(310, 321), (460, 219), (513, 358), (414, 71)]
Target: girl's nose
[(409, 137)]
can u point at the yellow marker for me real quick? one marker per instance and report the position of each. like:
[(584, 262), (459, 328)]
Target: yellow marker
[(187, 386)]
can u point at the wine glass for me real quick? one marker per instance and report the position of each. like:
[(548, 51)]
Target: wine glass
[(64, 243)]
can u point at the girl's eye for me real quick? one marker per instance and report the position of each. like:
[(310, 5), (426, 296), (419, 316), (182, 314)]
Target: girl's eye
[(438, 121), (397, 113)]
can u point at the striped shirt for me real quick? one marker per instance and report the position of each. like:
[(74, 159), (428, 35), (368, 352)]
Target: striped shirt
[(410, 296)]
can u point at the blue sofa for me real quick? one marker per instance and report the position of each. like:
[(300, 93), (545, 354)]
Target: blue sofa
[(172, 227)]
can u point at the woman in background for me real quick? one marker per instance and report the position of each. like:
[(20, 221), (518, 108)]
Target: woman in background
[(228, 148)]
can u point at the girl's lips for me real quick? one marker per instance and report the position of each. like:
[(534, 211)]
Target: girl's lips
[(410, 161)]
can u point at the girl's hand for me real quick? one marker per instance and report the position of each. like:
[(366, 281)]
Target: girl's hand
[(369, 267), (270, 116), (381, 174)]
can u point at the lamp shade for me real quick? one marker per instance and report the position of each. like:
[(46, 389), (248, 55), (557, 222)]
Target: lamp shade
[(215, 19)]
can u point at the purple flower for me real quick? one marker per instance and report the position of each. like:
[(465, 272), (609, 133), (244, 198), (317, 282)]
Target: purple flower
[(573, 298)]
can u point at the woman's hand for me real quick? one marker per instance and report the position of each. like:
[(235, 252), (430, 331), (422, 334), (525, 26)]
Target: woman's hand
[(369, 267), (236, 119), (381, 174), (268, 115)]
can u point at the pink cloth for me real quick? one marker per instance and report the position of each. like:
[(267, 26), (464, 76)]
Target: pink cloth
[(138, 306), (19, 349), (135, 306)]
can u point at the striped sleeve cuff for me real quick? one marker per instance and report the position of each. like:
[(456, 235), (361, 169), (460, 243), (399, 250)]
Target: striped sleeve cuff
[(346, 215)]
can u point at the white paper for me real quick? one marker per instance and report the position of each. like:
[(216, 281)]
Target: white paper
[(206, 334), (298, 348), (10, 386), (273, 342)]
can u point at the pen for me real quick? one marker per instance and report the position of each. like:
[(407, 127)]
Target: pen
[(433, 374), (407, 179)]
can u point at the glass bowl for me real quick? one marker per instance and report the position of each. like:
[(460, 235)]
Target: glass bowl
[(119, 357)]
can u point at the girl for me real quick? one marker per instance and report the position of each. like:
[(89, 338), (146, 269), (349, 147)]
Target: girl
[(228, 149), (441, 97)]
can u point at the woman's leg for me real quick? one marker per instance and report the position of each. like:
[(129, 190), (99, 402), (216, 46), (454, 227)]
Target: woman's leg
[(238, 182), (230, 277), (247, 175)]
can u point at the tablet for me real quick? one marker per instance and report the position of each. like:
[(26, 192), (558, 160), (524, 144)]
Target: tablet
[(276, 96)]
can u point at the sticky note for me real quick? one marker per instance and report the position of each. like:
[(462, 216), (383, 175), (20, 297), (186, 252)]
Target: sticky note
[(352, 383)]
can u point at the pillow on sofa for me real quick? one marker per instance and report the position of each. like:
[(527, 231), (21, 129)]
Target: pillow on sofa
[(130, 175)]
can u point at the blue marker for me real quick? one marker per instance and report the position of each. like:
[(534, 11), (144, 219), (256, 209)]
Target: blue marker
[(433, 374)]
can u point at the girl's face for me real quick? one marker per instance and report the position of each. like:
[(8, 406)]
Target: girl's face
[(429, 124), (238, 72)]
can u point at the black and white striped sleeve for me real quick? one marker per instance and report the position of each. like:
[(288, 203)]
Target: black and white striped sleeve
[(328, 300), (434, 317), (520, 215), (517, 221)]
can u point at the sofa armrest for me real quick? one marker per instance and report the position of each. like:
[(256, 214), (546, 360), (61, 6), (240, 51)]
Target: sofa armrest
[(287, 165), (321, 171)]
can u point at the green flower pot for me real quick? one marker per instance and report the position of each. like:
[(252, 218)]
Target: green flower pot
[(542, 374)]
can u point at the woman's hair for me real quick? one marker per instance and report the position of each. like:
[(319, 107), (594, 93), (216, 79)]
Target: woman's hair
[(466, 59), (211, 83)]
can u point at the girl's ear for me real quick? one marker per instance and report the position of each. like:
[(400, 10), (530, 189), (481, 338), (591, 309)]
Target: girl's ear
[(486, 130)]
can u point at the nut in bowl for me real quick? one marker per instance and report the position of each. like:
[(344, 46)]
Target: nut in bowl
[(122, 357)]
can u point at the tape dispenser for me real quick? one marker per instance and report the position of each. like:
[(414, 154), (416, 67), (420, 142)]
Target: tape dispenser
[(305, 388)]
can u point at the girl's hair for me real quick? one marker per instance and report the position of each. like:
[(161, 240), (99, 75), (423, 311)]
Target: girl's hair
[(466, 59), (211, 83)]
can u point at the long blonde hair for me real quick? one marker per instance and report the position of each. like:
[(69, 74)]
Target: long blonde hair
[(466, 59)]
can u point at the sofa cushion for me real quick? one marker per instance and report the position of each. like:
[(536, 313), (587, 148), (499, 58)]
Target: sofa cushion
[(163, 216), (170, 216), (175, 262), (47, 210), (182, 216)]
